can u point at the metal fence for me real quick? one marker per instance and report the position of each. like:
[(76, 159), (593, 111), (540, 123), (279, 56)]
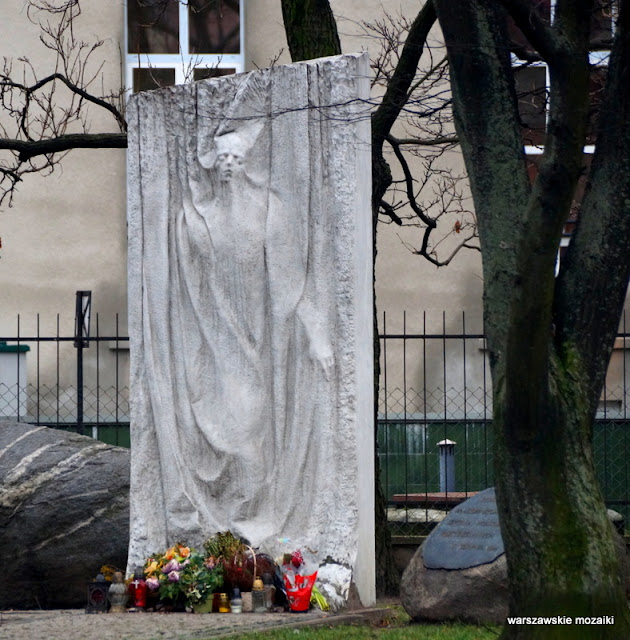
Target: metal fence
[(434, 388), (55, 379)]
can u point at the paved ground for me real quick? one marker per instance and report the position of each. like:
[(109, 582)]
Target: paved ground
[(75, 624)]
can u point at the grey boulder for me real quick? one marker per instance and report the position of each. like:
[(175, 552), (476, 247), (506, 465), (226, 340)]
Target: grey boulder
[(64, 512), (477, 594)]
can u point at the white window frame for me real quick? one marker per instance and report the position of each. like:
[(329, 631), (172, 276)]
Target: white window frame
[(597, 58), (183, 61)]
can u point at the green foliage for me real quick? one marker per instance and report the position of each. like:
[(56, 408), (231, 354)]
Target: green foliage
[(224, 546), (199, 579), (238, 560)]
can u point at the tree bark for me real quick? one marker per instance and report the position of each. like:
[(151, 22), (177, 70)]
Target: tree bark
[(559, 546), (549, 340), (311, 29)]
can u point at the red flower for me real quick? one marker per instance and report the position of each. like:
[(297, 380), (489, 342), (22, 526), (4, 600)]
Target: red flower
[(297, 559)]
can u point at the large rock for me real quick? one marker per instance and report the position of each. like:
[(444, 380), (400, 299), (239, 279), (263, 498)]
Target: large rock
[(64, 512), (460, 572), (477, 594)]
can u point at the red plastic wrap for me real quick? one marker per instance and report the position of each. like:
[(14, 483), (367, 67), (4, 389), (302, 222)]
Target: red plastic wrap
[(299, 591)]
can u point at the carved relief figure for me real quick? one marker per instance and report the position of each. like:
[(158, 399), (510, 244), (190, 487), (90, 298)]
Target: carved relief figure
[(242, 275), (249, 267)]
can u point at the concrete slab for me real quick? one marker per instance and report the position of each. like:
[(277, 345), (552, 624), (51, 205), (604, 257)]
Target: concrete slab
[(75, 624)]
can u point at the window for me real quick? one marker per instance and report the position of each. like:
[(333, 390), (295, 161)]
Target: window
[(602, 25), (532, 94), (172, 42), (531, 76), (531, 81)]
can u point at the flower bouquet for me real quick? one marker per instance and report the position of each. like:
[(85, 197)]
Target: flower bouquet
[(241, 564), (182, 577)]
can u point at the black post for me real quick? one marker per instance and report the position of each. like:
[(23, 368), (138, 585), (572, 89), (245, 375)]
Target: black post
[(81, 341), (80, 388)]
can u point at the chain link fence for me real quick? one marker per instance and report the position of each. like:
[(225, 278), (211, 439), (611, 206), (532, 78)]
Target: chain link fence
[(106, 410), (435, 388), (48, 377)]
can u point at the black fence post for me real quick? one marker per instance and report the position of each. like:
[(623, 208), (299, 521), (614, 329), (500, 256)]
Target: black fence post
[(81, 341)]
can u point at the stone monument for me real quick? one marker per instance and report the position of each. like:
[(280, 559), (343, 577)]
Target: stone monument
[(250, 297), (468, 537), (460, 572)]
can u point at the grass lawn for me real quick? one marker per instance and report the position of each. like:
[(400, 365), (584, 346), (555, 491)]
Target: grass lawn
[(397, 627)]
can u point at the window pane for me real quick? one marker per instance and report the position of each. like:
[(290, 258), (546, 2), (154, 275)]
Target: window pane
[(214, 26), (531, 92), (153, 26), (147, 79), (215, 72), (601, 24), (518, 42)]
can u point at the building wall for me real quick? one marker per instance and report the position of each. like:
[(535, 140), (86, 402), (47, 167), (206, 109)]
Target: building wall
[(67, 231)]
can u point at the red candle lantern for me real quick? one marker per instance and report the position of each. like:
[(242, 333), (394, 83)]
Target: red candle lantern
[(138, 590)]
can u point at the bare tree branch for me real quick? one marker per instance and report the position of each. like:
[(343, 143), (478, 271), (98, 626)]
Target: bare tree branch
[(417, 100), (31, 149), (397, 93), (424, 142), (29, 90), (46, 116), (391, 212), (430, 222)]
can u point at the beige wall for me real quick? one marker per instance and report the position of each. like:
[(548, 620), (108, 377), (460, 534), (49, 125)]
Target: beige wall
[(67, 231)]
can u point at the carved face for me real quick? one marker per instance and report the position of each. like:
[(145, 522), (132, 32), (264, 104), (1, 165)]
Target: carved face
[(228, 165)]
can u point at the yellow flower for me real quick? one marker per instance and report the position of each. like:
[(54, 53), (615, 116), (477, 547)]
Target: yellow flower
[(151, 568), (171, 553)]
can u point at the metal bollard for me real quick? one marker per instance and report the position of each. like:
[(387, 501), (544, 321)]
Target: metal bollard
[(447, 465)]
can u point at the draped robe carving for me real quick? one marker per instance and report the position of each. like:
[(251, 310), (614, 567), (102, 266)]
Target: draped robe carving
[(247, 313)]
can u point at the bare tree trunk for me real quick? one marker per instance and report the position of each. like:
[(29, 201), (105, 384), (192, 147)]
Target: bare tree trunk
[(561, 556), (311, 29), (549, 340)]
